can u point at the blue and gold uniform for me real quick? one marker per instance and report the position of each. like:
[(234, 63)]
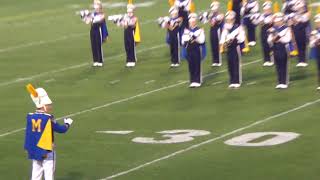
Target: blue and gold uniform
[(174, 40), (216, 22), (315, 45), (232, 36), (184, 11), (193, 40), (265, 20), (249, 9), (129, 42), (279, 37), (301, 29), (98, 35), (98, 32), (236, 7), (39, 136), (131, 35)]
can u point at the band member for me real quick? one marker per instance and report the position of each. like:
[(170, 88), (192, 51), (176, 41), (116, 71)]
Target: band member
[(184, 7), (250, 8), (39, 135), (232, 36), (173, 27), (216, 23), (265, 20), (315, 44), (287, 7), (193, 39), (279, 37), (98, 31), (236, 7), (131, 34), (301, 25)]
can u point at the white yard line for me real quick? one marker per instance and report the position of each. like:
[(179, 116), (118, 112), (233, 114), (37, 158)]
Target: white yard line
[(12, 132), (151, 81), (62, 38), (127, 99), (216, 83), (115, 132), (42, 74), (114, 81), (28, 78), (251, 83), (37, 43), (115, 5), (212, 140), (49, 80), (29, 15), (65, 9)]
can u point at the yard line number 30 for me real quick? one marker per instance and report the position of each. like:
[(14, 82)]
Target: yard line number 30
[(256, 139)]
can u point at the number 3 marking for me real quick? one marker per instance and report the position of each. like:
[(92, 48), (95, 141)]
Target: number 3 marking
[(174, 136)]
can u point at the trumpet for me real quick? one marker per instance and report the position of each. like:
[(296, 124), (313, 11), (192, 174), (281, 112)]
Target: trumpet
[(274, 34), (228, 43), (163, 22), (84, 13), (230, 38), (85, 16), (116, 18), (315, 38), (204, 17)]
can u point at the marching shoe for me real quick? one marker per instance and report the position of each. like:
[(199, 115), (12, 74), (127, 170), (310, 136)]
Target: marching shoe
[(130, 64), (236, 85), (216, 64), (284, 86), (302, 64), (252, 43), (281, 86), (192, 85), (197, 85), (231, 86), (268, 64)]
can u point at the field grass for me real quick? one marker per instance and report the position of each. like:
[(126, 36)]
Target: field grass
[(45, 43)]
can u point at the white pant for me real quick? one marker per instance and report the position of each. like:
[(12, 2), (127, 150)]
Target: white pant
[(45, 167)]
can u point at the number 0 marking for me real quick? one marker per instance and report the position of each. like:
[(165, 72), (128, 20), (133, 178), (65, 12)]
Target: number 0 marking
[(279, 138), (173, 136)]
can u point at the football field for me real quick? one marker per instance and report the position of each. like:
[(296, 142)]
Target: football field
[(144, 123)]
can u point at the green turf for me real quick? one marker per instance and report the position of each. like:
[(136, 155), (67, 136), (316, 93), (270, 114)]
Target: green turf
[(42, 38)]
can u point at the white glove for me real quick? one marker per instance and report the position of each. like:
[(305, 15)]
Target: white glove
[(68, 121), (229, 38), (197, 33), (185, 38)]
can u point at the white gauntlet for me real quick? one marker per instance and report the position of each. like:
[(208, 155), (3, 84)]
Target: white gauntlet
[(68, 121)]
